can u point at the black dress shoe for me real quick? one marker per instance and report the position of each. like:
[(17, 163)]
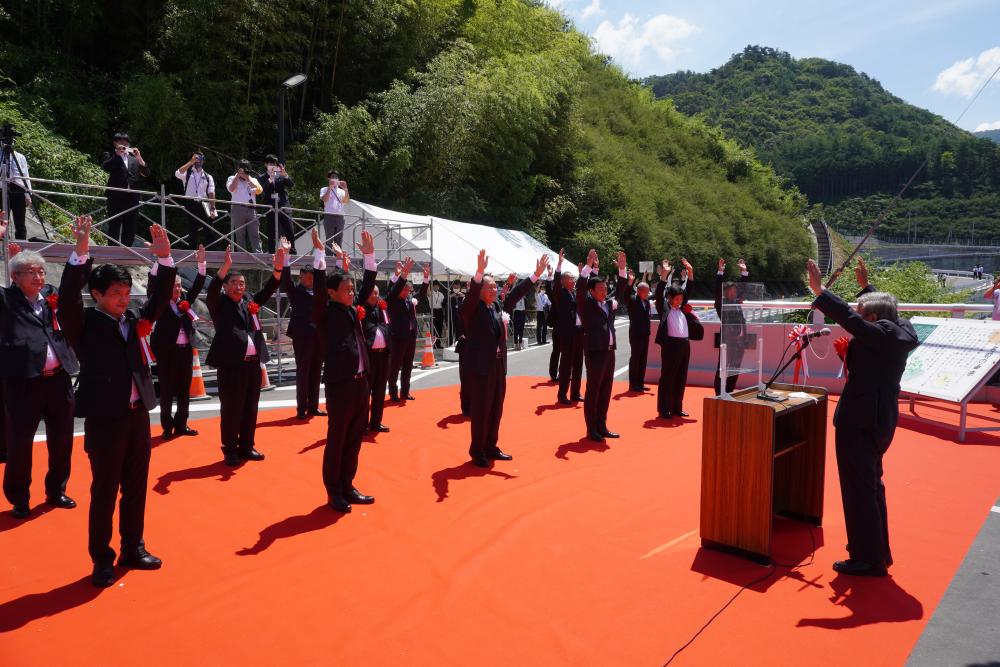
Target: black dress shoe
[(578, 398), (185, 431), (609, 434), (21, 511), (338, 503), (167, 434), (318, 413), (637, 389), (103, 576), (62, 501), (357, 498), (139, 559), (498, 454), (393, 398), (409, 397), (379, 428), (681, 413), (251, 455), (859, 568), (301, 415), (232, 460), (480, 462), (565, 401), (665, 415), (553, 379), (596, 437)]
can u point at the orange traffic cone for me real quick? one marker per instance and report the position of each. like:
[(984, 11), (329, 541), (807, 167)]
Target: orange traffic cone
[(428, 359), (197, 392), (265, 382)]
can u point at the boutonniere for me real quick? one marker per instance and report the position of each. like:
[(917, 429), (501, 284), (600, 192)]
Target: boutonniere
[(614, 304), (361, 312), (142, 329), (505, 316), (53, 302), (686, 308), (185, 308), (840, 346), (414, 302), (382, 304), (254, 308)]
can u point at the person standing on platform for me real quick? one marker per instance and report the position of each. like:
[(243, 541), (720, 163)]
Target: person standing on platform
[(276, 183), (636, 299), (403, 324), (732, 319), (243, 190), (486, 327), (36, 362), (18, 193), (115, 394), (866, 414), (334, 196), (237, 352), (346, 369), (378, 339), (199, 184), (569, 336), (599, 342), (678, 327), (173, 342), (306, 343), (125, 170)]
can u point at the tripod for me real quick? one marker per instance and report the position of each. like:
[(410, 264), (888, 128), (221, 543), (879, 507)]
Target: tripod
[(10, 171)]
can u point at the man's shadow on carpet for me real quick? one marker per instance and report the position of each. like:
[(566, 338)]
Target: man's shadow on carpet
[(17, 613), (322, 517), (467, 470), (581, 446), (870, 600), (217, 469)]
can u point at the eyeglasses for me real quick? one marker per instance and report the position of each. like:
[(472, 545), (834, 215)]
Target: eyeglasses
[(32, 272)]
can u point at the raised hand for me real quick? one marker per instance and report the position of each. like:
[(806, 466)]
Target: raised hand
[(592, 258), (722, 265), (338, 252), (12, 249), (3, 224), (279, 256), (666, 268), (743, 265), (200, 255), (562, 256), (160, 244), (542, 265), (81, 232), (621, 261), (346, 261), (285, 244), (815, 278), (511, 279), (227, 262), (427, 273), (407, 266), (399, 268), (367, 245), (484, 260), (316, 240), (861, 273)]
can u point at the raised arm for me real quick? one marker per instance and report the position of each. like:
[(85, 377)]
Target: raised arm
[(720, 278), (74, 278), (471, 300), (840, 311), (166, 272), (525, 285), (269, 288), (367, 248)]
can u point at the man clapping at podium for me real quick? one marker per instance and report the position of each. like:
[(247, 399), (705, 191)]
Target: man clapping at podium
[(866, 414)]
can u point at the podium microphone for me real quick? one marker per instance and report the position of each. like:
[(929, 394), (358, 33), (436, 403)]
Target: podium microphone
[(825, 331)]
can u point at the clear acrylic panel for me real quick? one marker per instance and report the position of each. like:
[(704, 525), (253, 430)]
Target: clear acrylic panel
[(742, 328)]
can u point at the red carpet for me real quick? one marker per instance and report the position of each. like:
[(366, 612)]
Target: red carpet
[(573, 553)]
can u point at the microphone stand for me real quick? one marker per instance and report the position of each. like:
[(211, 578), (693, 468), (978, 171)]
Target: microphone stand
[(763, 395)]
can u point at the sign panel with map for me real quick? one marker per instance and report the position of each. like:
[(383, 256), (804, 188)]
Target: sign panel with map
[(954, 358)]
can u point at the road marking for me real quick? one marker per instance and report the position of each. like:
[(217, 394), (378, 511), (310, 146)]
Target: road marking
[(995, 509)]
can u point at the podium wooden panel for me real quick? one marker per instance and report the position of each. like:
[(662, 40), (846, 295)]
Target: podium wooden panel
[(760, 458)]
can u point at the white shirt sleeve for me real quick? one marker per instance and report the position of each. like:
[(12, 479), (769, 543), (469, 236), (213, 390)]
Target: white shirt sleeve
[(77, 260), (202, 268), (319, 259), (181, 175), (585, 272), (370, 263)]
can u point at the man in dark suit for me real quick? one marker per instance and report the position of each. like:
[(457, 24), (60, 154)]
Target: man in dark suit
[(678, 327), (36, 362), (378, 339), (599, 342), (403, 325), (866, 415), (172, 342), (276, 183), (455, 303), (569, 334), (115, 394), (306, 343), (733, 329), (636, 299), (345, 371), (125, 170), (238, 350), (486, 330)]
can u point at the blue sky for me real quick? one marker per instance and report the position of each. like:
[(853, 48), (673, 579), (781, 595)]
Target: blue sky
[(932, 53)]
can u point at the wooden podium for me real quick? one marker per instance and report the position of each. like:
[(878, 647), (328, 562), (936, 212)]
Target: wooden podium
[(760, 458)]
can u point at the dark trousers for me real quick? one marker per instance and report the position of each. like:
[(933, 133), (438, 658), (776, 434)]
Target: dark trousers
[(347, 404), (600, 376), (198, 223), (401, 366), (308, 370), (637, 360), (859, 462), (439, 327), (3, 425), (674, 357), (15, 198), (284, 222), (730, 382), (26, 403), (554, 357), (119, 459), (570, 361), (486, 403), (541, 329), (378, 377), (465, 382), (520, 317), (333, 225), (122, 228), (173, 368), (239, 392)]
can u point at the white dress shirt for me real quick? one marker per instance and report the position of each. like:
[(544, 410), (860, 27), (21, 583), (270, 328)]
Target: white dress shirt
[(200, 184), (19, 173), (677, 325), (335, 204), (319, 263)]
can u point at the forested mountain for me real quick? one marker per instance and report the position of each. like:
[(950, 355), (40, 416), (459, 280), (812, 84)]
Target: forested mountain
[(846, 142), (993, 135), (496, 112)]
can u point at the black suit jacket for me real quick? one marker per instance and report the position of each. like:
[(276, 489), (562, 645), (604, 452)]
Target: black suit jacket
[(233, 324), (24, 338), (300, 322), (563, 305), (169, 323), (730, 316), (402, 312), (598, 319), (280, 186), (120, 176), (695, 329), (109, 364), (876, 359), (340, 329), (638, 311), (484, 328)]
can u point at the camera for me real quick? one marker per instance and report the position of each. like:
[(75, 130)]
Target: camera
[(8, 134)]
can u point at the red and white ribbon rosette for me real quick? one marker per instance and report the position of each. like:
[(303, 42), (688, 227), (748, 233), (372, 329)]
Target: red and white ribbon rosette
[(798, 334), (142, 329), (361, 313), (384, 307), (840, 347), (254, 308), (186, 308), (53, 302)]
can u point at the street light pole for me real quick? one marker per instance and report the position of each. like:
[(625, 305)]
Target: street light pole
[(288, 84)]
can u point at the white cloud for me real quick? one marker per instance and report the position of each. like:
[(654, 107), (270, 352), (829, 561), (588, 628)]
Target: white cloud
[(984, 127), (643, 47), (966, 76), (591, 10)]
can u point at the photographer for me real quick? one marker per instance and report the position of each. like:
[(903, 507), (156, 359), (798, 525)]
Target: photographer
[(200, 185), (125, 169), (18, 184), (243, 191), (276, 183), (334, 196)]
